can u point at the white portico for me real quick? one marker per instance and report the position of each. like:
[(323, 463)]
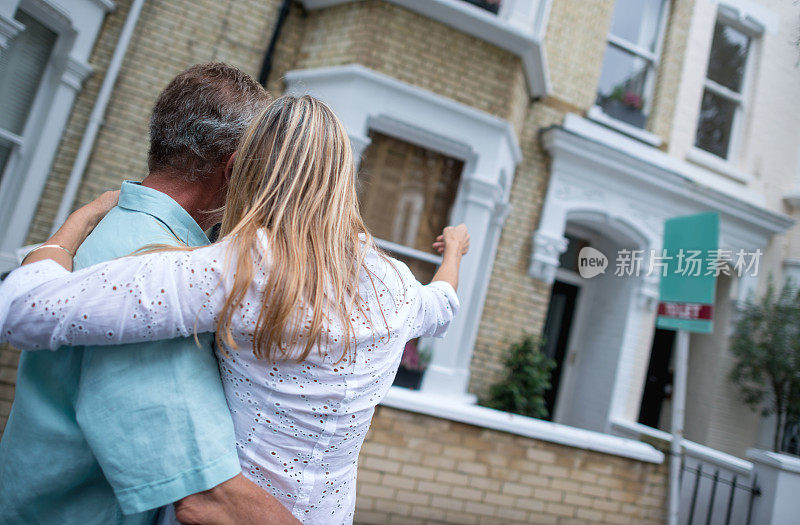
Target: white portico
[(614, 193)]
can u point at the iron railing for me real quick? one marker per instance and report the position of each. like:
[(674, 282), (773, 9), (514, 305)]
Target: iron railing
[(734, 508)]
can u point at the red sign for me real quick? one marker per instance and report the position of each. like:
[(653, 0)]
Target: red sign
[(686, 310)]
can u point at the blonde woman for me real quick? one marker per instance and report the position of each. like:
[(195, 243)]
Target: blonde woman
[(310, 318)]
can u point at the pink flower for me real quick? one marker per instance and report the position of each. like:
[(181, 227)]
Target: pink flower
[(632, 99), (411, 359)]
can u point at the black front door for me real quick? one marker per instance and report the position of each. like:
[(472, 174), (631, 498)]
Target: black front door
[(556, 334), (658, 383)]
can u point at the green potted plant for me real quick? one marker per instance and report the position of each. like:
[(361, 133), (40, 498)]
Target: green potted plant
[(527, 379)]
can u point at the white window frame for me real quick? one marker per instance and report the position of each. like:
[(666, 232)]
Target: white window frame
[(76, 24), (489, 149), (397, 130), (654, 60), (707, 158)]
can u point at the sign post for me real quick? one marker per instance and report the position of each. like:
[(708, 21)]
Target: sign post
[(686, 304)]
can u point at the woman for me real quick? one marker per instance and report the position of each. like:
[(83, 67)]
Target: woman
[(310, 318)]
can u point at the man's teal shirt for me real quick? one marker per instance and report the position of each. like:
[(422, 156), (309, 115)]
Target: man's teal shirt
[(110, 434)]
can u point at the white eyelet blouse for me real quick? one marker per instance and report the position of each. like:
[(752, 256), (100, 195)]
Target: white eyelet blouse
[(299, 426)]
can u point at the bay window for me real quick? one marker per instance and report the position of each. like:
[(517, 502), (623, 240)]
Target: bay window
[(44, 50), (406, 193), (22, 66), (628, 73), (425, 161)]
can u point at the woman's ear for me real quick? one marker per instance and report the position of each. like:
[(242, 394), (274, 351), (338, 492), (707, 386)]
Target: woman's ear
[(229, 167)]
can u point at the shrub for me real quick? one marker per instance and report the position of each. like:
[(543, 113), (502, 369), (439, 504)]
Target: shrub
[(527, 379)]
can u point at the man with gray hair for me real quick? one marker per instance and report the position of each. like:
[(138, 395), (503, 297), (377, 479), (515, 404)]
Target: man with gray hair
[(109, 435)]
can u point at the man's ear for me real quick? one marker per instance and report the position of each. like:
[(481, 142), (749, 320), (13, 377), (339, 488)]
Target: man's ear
[(229, 167)]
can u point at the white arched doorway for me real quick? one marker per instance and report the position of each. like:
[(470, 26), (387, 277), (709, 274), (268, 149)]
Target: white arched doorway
[(615, 193), (592, 324)]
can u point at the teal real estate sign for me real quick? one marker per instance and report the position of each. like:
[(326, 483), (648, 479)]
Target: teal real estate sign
[(690, 268)]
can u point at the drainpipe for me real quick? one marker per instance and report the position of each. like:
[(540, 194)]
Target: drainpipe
[(266, 65), (96, 117)]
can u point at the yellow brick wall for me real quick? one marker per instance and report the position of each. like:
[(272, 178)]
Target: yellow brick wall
[(668, 77), (411, 48), (575, 44), (169, 37), (419, 469)]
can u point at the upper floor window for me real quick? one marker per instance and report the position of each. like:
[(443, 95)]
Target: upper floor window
[(628, 74), (489, 5), (22, 67), (406, 193), (723, 94)]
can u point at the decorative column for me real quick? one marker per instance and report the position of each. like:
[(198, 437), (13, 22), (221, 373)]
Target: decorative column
[(20, 212), (483, 209), (547, 249)]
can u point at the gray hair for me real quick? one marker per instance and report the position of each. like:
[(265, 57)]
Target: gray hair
[(200, 117)]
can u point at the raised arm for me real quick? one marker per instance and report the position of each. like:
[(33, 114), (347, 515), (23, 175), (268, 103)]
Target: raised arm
[(452, 244), (139, 298), (435, 305)]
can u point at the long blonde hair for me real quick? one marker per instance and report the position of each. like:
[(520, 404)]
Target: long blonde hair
[(294, 178)]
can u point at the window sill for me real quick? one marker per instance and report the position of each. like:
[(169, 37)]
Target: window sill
[(455, 410), (596, 114), (792, 199), (716, 164)]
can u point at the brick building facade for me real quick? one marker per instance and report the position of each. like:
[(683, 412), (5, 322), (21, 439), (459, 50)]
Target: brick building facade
[(547, 157)]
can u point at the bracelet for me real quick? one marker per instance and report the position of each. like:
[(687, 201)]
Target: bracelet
[(50, 246)]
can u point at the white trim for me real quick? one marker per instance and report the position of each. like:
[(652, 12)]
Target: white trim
[(754, 17), (722, 91), (735, 139), (364, 100), (633, 49), (108, 5), (782, 462), (77, 24), (422, 403), (645, 164), (10, 138), (526, 40), (9, 28), (597, 114), (690, 448), (653, 57), (75, 72), (792, 199), (709, 160)]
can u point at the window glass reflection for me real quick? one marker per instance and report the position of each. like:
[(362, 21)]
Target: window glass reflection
[(621, 91), (715, 124)]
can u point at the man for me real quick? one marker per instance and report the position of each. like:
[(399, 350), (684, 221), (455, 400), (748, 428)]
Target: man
[(110, 434)]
